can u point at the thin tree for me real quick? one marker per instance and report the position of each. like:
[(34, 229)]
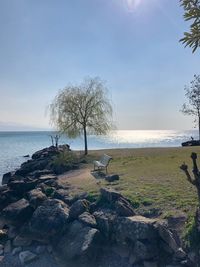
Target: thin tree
[(196, 174), (192, 93), (192, 13), (83, 109)]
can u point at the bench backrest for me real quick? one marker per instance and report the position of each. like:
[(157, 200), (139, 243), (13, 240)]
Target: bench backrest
[(105, 159)]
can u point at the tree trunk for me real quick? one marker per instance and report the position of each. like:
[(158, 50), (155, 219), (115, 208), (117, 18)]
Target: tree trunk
[(85, 140), (199, 127)]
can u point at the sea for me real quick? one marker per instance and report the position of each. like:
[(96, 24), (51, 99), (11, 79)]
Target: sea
[(15, 145)]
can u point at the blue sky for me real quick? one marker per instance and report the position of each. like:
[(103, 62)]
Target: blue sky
[(132, 44)]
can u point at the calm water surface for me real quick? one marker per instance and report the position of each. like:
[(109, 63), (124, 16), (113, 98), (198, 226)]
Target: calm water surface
[(14, 145)]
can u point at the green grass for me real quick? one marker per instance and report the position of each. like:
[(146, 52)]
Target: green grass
[(149, 177)]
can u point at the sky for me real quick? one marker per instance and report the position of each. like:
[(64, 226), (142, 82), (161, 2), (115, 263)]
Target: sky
[(131, 44)]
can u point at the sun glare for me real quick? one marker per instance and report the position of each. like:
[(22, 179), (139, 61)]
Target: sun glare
[(133, 4)]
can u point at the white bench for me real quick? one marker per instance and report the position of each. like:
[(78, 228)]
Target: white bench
[(102, 163)]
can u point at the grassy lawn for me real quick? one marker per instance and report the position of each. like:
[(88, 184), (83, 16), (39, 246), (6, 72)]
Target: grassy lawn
[(149, 177)]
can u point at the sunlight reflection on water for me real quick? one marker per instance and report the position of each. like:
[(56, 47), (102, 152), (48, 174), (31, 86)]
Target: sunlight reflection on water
[(16, 144)]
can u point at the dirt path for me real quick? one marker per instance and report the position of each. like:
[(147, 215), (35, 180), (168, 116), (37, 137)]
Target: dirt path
[(81, 180)]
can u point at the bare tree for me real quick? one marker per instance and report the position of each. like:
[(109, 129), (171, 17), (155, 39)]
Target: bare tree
[(196, 180), (193, 96), (55, 139), (192, 13), (82, 109)]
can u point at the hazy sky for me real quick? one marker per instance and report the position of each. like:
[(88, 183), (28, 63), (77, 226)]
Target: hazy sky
[(132, 44)]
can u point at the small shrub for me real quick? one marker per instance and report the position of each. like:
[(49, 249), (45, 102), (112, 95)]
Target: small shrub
[(92, 197), (64, 161), (49, 191), (135, 203)]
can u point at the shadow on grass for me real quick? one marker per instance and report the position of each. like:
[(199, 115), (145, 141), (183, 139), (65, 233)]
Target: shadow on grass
[(98, 174)]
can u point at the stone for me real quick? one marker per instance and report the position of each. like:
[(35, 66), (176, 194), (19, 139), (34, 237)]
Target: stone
[(17, 213), (7, 197), (150, 264), (134, 228), (20, 241), (7, 247), (12, 232), (78, 208), (124, 208), (83, 242), (88, 219), (180, 254), (61, 194), (49, 220), (40, 249), (110, 195), (16, 251), (7, 177), (26, 257), (21, 187), (122, 250), (112, 178), (36, 197), (32, 165), (167, 236), (104, 222), (145, 251), (46, 152), (192, 256)]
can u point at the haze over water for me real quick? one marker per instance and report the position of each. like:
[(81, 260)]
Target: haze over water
[(14, 145)]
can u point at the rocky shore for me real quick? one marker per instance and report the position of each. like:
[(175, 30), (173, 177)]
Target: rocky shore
[(43, 225)]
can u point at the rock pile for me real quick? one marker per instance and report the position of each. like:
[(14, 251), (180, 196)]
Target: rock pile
[(38, 216)]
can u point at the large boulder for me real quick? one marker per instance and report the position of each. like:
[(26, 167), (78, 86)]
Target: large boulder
[(17, 213), (87, 219), (79, 243), (112, 178), (49, 220), (7, 197), (123, 207), (120, 204), (109, 195), (134, 228), (32, 165), (170, 244), (46, 152), (105, 220), (26, 257), (21, 187), (63, 195), (36, 197), (146, 250), (7, 177), (77, 208)]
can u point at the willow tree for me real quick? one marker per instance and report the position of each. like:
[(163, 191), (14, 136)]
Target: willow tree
[(192, 13), (79, 110), (192, 107)]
